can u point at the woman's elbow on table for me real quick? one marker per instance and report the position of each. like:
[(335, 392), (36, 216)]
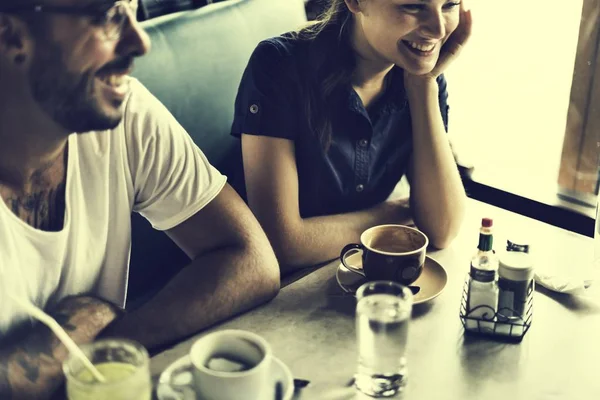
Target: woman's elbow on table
[(441, 242), (442, 224), (442, 236), (287, 238), (292, 258), (289, 261)]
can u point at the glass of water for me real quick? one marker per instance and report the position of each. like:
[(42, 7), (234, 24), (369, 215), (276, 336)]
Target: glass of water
[(123, 363), (382, 316)]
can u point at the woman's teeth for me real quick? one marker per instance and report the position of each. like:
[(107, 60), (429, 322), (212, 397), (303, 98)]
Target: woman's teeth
[(421, 47)]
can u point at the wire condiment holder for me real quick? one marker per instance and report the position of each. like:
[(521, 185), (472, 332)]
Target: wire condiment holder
[(504, 324)]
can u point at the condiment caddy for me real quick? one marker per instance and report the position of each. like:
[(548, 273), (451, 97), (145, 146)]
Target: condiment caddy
[(497, 298)]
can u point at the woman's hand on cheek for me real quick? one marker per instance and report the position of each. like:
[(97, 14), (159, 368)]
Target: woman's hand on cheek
[(452, 48)]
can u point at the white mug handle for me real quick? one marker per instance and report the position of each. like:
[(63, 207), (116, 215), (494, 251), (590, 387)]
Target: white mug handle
[(179, 383)]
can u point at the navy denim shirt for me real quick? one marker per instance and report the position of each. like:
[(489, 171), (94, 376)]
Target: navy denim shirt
[(369, 152)]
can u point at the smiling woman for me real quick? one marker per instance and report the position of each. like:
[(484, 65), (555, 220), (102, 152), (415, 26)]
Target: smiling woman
[(523, 120), (332, 116)]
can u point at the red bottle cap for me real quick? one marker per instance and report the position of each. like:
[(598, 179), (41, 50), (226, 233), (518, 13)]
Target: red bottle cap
[(487, 222)]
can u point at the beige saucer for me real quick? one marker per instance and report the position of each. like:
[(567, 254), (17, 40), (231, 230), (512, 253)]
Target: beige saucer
[(432, 281)]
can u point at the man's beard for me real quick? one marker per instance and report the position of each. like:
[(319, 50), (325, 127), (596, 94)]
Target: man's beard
[(68, 98)]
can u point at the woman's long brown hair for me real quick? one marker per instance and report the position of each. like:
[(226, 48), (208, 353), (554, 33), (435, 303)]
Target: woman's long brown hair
[(332, 66)]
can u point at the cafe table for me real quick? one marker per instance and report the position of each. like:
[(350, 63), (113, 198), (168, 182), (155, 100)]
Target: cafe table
[(310, 326)]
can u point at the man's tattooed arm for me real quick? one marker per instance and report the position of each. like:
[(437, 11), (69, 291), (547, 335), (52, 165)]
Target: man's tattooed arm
[(30, 362)]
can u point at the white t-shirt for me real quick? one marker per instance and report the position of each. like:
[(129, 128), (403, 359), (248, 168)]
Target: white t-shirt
[(147, 164)]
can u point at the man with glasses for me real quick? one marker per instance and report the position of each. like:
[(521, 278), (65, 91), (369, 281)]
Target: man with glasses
[(81, 146)]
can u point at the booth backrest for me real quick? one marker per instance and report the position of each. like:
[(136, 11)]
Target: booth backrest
[(194, 69)]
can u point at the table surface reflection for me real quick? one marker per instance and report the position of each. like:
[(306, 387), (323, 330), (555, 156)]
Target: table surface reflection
[(310, 326)]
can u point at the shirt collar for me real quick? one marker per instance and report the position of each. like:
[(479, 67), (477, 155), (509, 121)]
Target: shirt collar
[(394, 99), (395, 95)]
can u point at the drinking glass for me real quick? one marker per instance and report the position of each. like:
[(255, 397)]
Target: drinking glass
[(123, 363), (382, 317)]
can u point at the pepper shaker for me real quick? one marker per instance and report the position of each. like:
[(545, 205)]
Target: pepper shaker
[(516, 285)]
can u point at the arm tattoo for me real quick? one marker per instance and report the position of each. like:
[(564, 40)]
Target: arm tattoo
[(29, 354), (35, 350), (30, 365), (63, 320)]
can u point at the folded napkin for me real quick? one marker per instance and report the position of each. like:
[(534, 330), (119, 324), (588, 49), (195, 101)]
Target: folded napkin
[(569, 284), (563, 271)]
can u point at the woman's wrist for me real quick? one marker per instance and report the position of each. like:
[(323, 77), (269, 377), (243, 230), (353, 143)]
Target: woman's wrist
[(420, 87)]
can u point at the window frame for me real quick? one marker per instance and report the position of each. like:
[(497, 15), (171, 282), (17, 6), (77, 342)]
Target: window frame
[(578, 174), (574, 205)]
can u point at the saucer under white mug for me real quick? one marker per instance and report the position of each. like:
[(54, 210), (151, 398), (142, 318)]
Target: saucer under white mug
[(179, 374), (432, 281)]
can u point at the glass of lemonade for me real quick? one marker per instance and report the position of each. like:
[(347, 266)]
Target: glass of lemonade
[(124, 364), (383, 313)]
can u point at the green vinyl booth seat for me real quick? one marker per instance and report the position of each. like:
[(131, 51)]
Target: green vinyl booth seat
[(194, 68)]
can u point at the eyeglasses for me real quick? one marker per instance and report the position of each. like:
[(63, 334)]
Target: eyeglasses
[(111, 17)]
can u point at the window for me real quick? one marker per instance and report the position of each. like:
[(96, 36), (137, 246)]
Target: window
[(525, 79)]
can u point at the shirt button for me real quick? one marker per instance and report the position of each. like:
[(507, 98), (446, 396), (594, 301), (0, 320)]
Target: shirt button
[(363, 143), (253, 108), (360, 188)]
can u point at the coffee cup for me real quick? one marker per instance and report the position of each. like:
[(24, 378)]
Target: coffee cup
[(389, 252), (228, 365)]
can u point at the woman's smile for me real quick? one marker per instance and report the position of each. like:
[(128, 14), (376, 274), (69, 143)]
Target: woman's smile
[(420, 49)]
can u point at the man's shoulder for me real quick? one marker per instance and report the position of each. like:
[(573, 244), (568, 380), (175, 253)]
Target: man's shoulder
[(139, 98), (142, 111)]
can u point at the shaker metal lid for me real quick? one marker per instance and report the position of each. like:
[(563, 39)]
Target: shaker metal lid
[(522, 246), (516, 266)]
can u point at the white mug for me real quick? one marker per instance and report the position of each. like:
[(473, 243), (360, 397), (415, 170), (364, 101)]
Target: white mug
[(210, 360), (244, 347)]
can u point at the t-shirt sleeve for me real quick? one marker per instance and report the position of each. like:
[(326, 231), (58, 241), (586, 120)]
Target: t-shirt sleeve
[(443, 99), (171, 177), (263, 105)]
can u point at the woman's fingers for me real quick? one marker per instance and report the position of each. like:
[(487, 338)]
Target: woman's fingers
[(463, 31), (456, 41)]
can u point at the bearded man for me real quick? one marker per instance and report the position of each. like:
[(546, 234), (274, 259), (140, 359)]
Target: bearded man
[(82, 145)]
